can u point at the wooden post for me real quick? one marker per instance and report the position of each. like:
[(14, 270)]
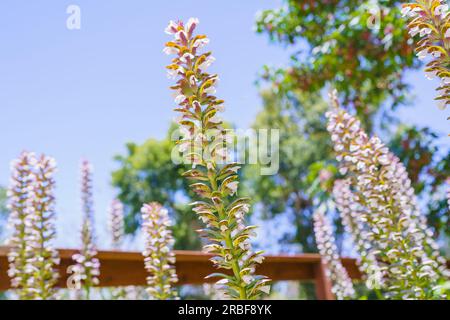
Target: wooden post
[(322, 282)]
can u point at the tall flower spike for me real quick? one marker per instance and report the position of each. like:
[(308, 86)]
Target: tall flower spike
[(216, 184), (406, 253), (354, 224), (342, 285), (117, 231), (159, 257), (87, 267), (430, 22), (19, 205), (44, 257), (116, 223)]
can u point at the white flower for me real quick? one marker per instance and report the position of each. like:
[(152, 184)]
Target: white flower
[(172, 73), (204, 65), (442, 104), (171, 28), (186, 57), (191, 24), (447, 33), (445, 80), (343, 170), (258, 259), (265, 289), (233, 186), (436, 54), (441, 10), (170, 50), (220, 108), (384, 160), (210, 90), (405, 10), (180, 98), (430, 75), (422, 54), (199, 43), (425, 31), (247, 279), (222, 281), (413, 31)]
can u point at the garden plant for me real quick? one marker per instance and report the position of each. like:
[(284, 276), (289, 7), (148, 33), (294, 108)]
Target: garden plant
[(365, 196)]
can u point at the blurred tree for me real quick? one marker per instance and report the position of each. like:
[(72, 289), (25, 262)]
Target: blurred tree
[(359, 47), (147, 174), (305, 150)]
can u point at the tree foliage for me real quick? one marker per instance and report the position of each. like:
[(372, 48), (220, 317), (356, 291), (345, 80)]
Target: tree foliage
[(147, 174), (359, 47), (305, 150)]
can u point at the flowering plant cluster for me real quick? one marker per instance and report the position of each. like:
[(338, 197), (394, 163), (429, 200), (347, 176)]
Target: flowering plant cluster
[(342, 285), (159, 257), (31, 202), (117, 232), (352, 218), (429, 20), (87, 267), (204, 142), (408, 257), (116, 223)]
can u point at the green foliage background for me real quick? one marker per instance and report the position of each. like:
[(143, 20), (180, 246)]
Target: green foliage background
[(147, 174)]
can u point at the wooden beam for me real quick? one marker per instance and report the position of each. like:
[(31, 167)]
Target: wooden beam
[(119, 268), (122, 268)]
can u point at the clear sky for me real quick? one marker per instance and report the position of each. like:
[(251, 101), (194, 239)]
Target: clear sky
[(85, 93)]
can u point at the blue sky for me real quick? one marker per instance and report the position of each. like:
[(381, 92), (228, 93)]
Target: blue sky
[(85, 93)]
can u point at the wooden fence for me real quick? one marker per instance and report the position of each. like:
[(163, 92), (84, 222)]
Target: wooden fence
[(120, 268)]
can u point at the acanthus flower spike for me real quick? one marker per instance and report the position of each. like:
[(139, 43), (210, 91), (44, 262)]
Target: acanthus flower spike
[(159, 257), (19, 204), (215, 183), (43, 231), (87, 267), (352, 218), (405, 250), (116, 223), (116, 226), (429, 22), (342, 286)]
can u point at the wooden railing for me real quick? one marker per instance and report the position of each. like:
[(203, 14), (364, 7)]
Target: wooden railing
[(120, 268), (124, 268)]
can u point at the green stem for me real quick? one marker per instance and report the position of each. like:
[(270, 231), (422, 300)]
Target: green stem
[(229, 243)]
